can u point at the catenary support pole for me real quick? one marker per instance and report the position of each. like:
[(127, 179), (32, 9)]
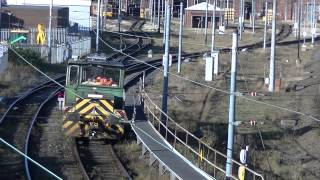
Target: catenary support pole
[(265, 25), (253, 16), (151, 10), (119, 24), (172, 4), (0, 19), (162, 10), (305, 17), (241, 19), (286, 10), (50, 31), (232, 104), (206, 25), (213, 54), (166, 63), (299, 27), (98, 26), (159, 2), (313, 29), (273, 48), (101, 17), (180, 37), (220, 13), (154, 13), (228, 11), (164, 24), (213, 26)]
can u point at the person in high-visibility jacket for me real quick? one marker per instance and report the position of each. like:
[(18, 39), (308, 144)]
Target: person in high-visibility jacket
[(241, 172)]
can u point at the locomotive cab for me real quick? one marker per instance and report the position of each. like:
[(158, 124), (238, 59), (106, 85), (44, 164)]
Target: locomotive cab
[(94, 99)]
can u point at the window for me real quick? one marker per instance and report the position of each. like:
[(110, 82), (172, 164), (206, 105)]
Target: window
[(100, 76), (73, 75)]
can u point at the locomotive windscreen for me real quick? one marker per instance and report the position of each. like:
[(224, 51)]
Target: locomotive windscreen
[(100, 76)]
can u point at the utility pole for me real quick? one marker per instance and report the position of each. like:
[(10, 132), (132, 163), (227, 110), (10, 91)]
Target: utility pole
[(162, 9), (101, 18), (305, 16), (180, 37), (299, 24), (253, 17), (220, 13), (151, 10), (164, 24), (265, 25), (154, 13), (232, 104), (273, 48), (50, 30), (166, 63), (285, 10), (228, 13), (213, 26), (313, 21), (241, 19), (172, 4), (119, 25), (98, 26), (206, 25), (0, 18), (159, 2)]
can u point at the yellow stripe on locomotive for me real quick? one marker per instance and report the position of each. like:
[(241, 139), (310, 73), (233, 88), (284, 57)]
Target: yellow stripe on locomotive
[(95, 98), (88, 114)]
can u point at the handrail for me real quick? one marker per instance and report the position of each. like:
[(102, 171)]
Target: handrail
[(202, 146)]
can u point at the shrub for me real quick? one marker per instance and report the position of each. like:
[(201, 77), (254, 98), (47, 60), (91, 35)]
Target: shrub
[(30, 55)]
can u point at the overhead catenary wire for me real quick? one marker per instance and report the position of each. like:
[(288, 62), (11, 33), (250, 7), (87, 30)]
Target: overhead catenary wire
[(238, 94), (41, 72), (53, 80)]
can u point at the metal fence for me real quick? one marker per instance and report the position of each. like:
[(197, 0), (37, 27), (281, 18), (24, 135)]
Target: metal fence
[(58, 35), (191, 147), (66, 42), (3, 58), (64, 51)]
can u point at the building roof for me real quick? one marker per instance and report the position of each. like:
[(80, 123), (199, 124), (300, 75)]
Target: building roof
[(202, 7)]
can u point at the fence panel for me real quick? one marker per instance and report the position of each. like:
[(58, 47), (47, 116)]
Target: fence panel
[(3, 58)]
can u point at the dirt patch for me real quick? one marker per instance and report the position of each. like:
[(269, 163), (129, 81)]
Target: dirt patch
[(199, 108)]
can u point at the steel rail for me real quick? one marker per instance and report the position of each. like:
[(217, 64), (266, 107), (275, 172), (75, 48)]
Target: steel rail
[(34, 119), (26, 94)]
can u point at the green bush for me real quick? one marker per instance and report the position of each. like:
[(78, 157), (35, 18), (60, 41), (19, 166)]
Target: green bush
[(28, 54)]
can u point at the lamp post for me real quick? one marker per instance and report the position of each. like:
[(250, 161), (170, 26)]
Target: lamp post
[(0, 13), (9, 14)]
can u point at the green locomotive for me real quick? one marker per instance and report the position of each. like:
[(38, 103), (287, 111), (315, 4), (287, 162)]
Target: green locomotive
[(94, 98)]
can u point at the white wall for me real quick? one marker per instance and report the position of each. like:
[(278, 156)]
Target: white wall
[(79, 10)]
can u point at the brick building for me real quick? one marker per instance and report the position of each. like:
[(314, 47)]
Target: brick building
[(30, 16), (195, 15), (287, 9)]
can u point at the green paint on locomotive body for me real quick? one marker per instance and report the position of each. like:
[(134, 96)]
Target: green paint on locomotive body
[(82, 80)]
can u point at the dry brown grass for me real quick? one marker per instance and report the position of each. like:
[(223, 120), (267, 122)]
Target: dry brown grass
[(137, 166), (284, 153), (16, 78)]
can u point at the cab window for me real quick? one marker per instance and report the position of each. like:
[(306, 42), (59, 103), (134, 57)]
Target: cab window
[(73, 75), (100, 76)]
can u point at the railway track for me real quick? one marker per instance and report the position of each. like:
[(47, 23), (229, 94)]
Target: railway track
[(99, 160), (96, 161), (48, 146), (134, 47), (15, 125), (284, 32)]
